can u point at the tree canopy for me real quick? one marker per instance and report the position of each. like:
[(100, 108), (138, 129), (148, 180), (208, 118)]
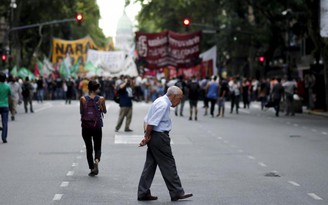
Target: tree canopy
[(28, 43)]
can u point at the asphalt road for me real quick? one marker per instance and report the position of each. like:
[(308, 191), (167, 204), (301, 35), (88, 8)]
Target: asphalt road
[(252, 158)]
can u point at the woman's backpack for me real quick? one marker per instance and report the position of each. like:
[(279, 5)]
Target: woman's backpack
[(91, 113)]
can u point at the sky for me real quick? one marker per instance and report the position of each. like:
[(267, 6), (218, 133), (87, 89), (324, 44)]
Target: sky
[(111, 11)]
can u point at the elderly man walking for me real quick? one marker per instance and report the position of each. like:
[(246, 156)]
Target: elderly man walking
[(157, 125)]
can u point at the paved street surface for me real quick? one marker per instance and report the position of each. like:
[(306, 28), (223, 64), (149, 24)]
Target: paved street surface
[(252, 158)]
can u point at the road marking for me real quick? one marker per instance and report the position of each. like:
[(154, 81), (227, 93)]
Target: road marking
[(57, 197), (233, 146), (240, 150), (294, 183), (81, 150), (324, 133), (220, 138), (295, 125), (262, 164), (251, 157), (46, 106), (314, 130), (64, 184), (288, 123), (75, 164), (128, 139), (314, 196), (226, 141), (70, 173), (304, 127)]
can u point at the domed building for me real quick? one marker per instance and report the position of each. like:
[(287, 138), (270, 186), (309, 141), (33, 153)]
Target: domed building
[(124, 34)]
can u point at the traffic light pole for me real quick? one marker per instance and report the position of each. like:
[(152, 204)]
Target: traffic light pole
[(40, 25)]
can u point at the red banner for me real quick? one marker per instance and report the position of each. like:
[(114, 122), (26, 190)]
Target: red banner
[(168, 48)]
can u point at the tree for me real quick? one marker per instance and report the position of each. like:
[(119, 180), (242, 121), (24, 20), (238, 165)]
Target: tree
[(24, 43)]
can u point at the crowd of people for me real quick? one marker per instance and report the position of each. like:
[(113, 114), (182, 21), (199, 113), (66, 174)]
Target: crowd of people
[(213, 91)]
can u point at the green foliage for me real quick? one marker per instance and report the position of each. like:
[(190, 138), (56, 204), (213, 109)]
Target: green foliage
[(246, 28), (24, 43)]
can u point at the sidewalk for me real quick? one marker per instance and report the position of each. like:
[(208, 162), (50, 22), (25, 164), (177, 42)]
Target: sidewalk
[(316, 112)]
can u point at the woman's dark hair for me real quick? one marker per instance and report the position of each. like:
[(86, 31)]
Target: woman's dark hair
[(2, 77), (93, 85)]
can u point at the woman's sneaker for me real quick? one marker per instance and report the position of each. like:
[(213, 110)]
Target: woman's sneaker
[(95, 169)]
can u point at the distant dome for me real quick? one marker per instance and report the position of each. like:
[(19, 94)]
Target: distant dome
[(124, 24)]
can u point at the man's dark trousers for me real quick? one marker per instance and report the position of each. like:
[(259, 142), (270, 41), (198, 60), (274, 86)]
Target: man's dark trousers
[(159, 153)]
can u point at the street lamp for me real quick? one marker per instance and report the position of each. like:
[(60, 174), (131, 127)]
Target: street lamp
[(287, 13), (12, 6)]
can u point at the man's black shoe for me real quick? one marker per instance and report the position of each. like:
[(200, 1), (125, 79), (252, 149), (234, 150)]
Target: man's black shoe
[(147, 198), (4, 141), (183, 196), (128, 130)]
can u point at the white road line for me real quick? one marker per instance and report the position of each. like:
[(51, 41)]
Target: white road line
[(314, 196), (70, 173), (226, 141), (314, 130), (324, 133), (304, 127), (75, 164), (262, 164), (46, 106), (294, 183), (250, 157), (64, 184), (220, 138), (57, 197), (295, 125), (82, 151), (240, 150)]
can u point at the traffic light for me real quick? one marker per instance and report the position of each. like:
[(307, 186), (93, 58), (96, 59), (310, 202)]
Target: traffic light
[(261, 59), (79, 18), (3, 57), (186, 22)]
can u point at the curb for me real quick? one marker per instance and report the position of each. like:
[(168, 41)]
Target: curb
[(310, 112)]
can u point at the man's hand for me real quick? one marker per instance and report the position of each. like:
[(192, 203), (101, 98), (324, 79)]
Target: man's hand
[(144, 141)]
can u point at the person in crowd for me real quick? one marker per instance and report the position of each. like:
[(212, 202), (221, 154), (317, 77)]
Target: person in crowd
[(223, 92), (157, 125), (246, 90), (235, 91), (183, 86), (255, 89), (203, 84), (263, 92), (290, 89), (40, 89), (91, 108), (16, 96), (193, 95), (27, 92), (125, 102), (276, 95), (69, 90), (5, 94), (83, 86), (212, 89)]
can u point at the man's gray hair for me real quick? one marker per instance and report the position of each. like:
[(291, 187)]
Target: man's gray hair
[(173, 90)]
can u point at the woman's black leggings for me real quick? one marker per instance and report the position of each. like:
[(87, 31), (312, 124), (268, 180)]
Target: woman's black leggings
[(88, 135)]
